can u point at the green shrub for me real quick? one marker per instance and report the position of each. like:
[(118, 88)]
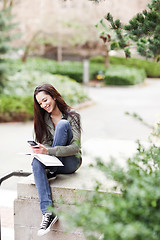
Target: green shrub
[(97, 59), (131, 214), (16, 108), (121, 75), (71, 69), (16, 103), (151, 68), (23, 84), (95, 68)]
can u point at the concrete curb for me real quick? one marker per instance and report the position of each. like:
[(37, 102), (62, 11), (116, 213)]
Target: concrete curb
[(83, 105)]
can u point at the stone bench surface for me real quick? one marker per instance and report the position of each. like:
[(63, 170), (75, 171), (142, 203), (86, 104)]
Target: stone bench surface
[(66, 186)]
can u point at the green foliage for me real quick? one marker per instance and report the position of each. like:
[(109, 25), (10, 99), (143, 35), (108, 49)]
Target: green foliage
[(121, 75), (143, 29), (134, 214), (97, 59), (16, 108), (113, 35), (5, 43), (95, 68), (151, 68), (71, 69), (136, 116), (16, 103)]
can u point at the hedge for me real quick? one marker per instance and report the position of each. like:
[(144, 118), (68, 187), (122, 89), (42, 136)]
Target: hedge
[(16, 108), (151, 68), (73, 70), (121, 75)]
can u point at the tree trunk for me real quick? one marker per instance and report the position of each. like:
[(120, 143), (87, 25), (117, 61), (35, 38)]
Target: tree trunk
[(59, 53), (107, 57), (7, 3), (26, 52)]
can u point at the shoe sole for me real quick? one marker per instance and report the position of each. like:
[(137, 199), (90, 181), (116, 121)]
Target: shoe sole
[(49, 228), (52, 178)]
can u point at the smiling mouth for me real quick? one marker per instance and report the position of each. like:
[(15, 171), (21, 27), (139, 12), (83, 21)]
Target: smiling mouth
[(47, 108)]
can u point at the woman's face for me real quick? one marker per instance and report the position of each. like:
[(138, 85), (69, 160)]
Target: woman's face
[(46, 101)]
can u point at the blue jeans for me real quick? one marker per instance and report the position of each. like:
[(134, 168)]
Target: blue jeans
[(62, 137)]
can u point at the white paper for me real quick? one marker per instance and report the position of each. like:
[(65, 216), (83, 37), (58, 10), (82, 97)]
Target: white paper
[(47, 160)]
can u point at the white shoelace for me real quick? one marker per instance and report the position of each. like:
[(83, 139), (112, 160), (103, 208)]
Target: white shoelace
[(45, 220)]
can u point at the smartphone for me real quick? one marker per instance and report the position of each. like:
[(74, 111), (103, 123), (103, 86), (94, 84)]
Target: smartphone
[(32, 143)]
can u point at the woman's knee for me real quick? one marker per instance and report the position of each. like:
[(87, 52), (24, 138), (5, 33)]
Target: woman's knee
[(36, 164), (71, 164), (63, 123)]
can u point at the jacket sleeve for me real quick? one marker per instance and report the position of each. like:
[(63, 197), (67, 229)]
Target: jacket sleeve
[(72, 149)]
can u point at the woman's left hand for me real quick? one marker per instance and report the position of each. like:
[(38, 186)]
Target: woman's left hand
[(39, 149)]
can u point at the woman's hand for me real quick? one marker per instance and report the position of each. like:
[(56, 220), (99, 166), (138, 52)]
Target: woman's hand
[(39, 149)]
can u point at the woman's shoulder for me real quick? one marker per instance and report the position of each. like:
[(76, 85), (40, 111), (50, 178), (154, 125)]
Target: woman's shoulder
[(73, 115)]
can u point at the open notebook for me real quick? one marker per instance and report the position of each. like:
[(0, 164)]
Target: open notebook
[(47, 160)]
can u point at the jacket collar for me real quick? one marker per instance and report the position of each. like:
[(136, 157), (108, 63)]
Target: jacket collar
[(48, 119)]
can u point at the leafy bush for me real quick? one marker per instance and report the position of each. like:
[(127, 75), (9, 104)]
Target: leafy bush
[(151, 68), (97, 59), (17, 99), (16, 108), (121, 75), (70, 69), (134, 214), (95, 68), (73, 70)]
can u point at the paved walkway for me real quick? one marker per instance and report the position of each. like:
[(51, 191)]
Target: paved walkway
[(107, 131)]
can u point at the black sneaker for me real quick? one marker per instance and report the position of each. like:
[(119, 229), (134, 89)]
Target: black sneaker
[(47, 220), (51, 175)]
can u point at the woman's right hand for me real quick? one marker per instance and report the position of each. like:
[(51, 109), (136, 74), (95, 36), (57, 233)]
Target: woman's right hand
[(39, 149)]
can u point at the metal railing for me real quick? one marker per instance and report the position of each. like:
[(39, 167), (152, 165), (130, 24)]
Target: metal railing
[(19, 173)]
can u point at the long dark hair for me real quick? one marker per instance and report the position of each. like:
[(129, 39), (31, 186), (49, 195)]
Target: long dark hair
[(39, 122)]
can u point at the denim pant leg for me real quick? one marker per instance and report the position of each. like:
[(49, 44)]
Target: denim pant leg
[(42, 185), (63, 133), (62, 137), (71, 164)]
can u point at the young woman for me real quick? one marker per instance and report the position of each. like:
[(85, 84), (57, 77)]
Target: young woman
[(58, 133)]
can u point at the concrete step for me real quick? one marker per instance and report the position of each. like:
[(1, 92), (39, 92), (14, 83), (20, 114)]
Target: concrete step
[(70, 188)]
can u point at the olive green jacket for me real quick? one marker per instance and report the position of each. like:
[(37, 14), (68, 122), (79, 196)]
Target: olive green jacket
[(62, 151)]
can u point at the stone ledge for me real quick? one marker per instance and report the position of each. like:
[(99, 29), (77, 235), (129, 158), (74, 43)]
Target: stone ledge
[(27, 218), (23, 214), (69, 187), (27, 233)]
